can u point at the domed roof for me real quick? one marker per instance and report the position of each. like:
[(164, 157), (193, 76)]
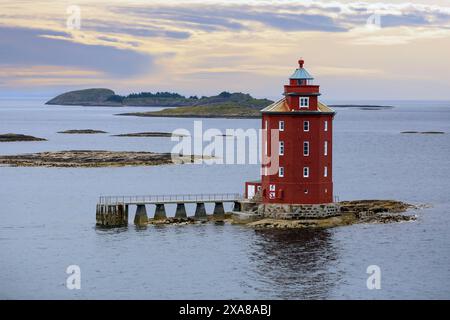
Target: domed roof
[(301, 73)]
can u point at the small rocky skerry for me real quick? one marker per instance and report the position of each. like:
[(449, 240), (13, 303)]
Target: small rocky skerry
[(422, 132), (345, 213), (15, 137), (255, 216), (94, 158), (151, 134), (82, 131)]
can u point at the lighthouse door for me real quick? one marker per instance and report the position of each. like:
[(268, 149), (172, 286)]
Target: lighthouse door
[(250, 191)]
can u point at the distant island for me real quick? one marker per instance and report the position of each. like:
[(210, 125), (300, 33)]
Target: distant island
[(107, 97), (149, 135), (13, 137), (225, 110), (223, 105), (221, 110), (95, 159), (82, 131), (361, 106)]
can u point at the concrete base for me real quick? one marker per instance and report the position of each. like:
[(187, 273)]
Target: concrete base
[(111, 215), (160, 212), (141, 217), (200, 212), (219, 211), (180, 213)]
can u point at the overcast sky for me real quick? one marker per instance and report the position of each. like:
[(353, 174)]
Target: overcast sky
[(204, 47)]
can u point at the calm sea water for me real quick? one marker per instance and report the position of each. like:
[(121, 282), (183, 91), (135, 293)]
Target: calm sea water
[(48, 214)]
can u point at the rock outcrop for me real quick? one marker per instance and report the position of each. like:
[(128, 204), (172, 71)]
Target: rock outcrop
[(82, 131), (347, 212), (94, 158), (86, 97), (13, 137), (148, 134)]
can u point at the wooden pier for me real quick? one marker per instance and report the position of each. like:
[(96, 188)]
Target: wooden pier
[(112, 211)]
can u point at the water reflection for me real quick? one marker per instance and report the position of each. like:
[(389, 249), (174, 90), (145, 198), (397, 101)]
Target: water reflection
[(297, 264), (108, 230)]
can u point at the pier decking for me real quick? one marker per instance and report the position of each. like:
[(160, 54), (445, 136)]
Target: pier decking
[(112, 211)]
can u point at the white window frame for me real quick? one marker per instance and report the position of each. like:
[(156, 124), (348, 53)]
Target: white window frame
[(281, 125), (305, 172), (306, 144), (267, 125), (303, 102), (281, 148), (281, 172), (306, 122), (325, 147), (325, 125), (325, 171)]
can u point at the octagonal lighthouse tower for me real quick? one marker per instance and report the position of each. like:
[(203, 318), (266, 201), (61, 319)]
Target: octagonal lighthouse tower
[(304, 173)]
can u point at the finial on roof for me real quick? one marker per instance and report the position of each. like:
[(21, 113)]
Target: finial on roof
[(301, 62)]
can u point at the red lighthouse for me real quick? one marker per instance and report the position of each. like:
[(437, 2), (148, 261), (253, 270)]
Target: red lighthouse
[(304, 148)]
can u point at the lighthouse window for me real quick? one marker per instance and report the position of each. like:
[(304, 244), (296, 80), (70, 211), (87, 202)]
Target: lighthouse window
[(305, 172), (281, 172), (304, 102), (281, 125), (281, 148), (306, 148), (305, 126), (326, 125), (325, 151), (325, 171)]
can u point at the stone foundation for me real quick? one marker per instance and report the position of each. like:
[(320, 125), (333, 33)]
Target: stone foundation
[(299, 211)]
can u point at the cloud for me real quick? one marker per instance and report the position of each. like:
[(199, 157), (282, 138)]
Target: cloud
[(236, 18), (295, 21), (146, 31), (47, 75), (398, 15), (27, 47), (415, 19), (205, 17), (46, 72), (204, 46), (286, 16), (347, 71)]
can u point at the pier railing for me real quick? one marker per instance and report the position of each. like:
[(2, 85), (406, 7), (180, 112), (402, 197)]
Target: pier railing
[(171, 198)]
